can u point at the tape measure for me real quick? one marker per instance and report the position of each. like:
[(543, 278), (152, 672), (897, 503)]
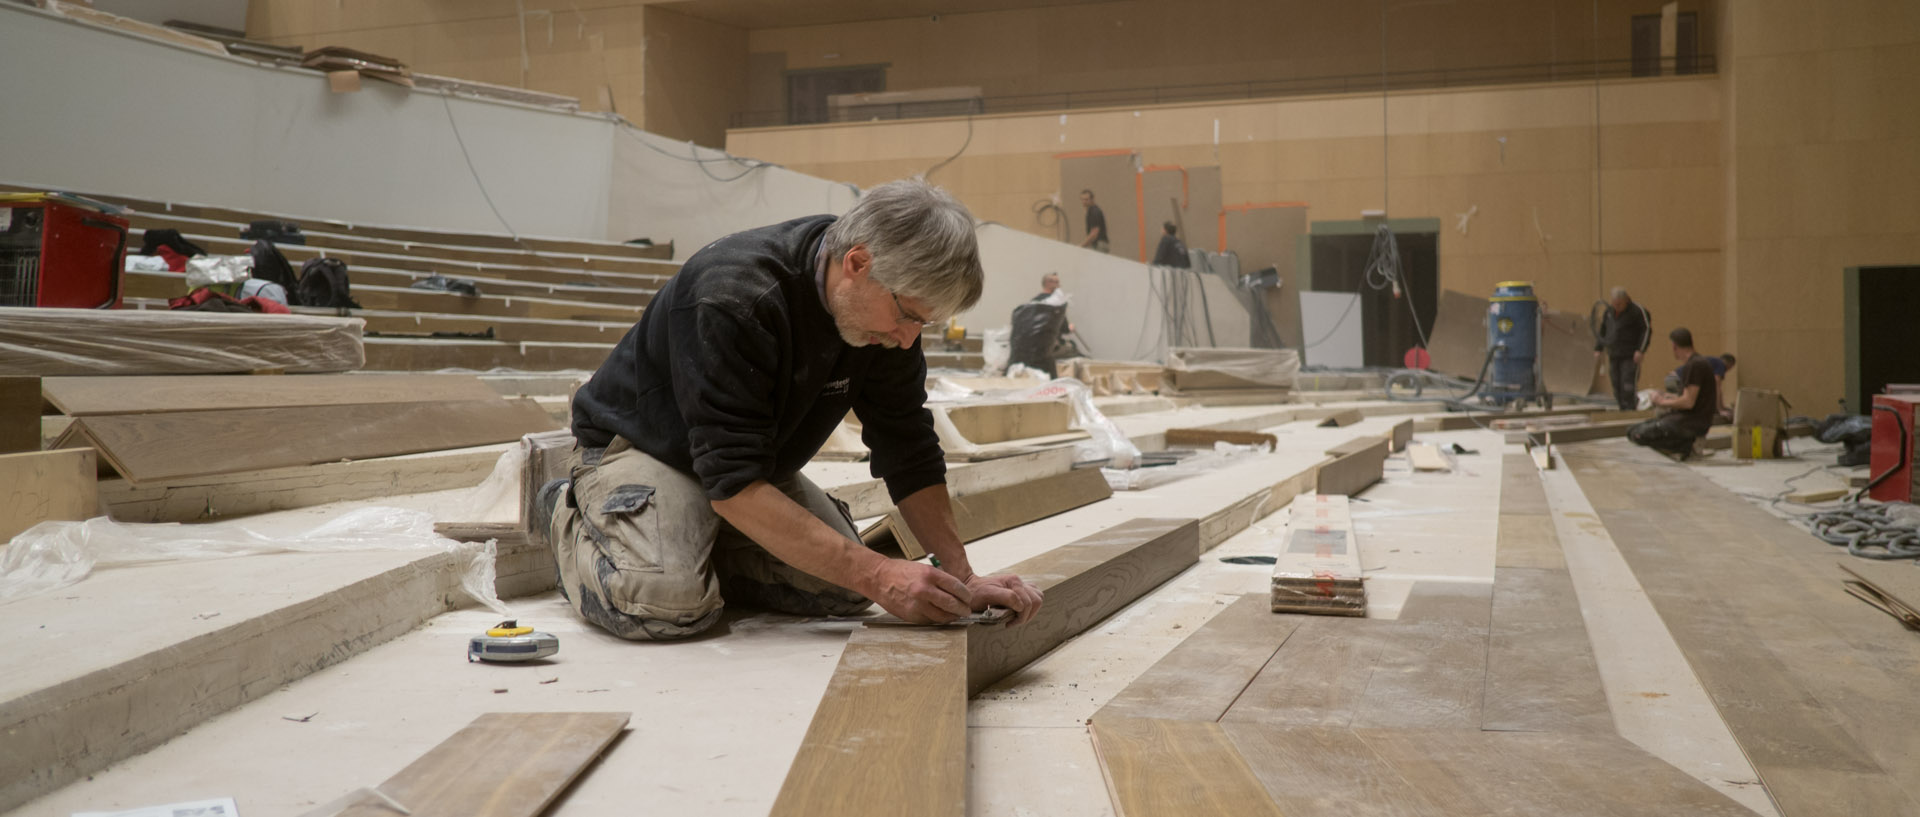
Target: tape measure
[(508, 641)]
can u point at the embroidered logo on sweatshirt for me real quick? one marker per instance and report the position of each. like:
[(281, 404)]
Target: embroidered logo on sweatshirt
[(834, 387)]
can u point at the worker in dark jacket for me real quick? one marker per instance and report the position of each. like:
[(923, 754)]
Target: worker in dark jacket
[(1171, 252), (1625, 331), (686, 492)]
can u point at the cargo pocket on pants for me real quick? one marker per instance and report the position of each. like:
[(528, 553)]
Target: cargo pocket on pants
[(628, 529)]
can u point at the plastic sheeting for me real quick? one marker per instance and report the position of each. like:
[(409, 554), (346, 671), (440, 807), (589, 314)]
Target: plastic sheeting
[(52, 555), (1105, 441), (134, 341)]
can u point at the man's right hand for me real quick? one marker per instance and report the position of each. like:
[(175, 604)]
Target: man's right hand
[(919, 593)]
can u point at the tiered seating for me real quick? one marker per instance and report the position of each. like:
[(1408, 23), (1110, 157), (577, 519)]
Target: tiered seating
[(546, 304)]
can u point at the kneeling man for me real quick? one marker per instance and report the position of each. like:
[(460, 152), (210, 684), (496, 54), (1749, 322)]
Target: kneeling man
[(1693, 408), (686, 491)]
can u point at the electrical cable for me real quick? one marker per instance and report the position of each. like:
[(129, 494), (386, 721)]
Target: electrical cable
[(751, 164), (928, 173), (447, 102)]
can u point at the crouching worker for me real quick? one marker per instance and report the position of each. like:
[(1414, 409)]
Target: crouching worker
[(686, 492), (1693, 407)]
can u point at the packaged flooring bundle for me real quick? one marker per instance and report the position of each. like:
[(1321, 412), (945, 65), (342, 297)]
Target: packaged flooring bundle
[(1318, 568), (1197, 368), (52, 342)]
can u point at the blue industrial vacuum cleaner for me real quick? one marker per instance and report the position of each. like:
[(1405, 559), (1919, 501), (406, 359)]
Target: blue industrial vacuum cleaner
[(1512, 374)]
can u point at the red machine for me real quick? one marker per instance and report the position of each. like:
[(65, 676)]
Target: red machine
[(60, 250), (1893, 451)]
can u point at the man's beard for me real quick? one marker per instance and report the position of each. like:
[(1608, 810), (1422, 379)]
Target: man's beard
[(844, 304)]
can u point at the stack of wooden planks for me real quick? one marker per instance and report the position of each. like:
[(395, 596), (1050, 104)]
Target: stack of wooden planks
[(1318, 567)]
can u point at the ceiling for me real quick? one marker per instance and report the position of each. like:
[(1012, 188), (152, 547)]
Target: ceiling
[(756, 14)]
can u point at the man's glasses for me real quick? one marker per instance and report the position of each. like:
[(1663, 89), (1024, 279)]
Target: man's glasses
[(908, 317)]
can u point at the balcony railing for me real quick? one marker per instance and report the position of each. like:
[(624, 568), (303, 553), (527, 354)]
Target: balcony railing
[(1253, 89)]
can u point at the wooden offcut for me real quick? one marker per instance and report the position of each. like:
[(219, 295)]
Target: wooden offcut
[(19, 414), (1427, 457), (501, 765), (1400, 437), (1341, 419), (1203, 675), (1084, 582), (151, 448), (1206, 437), (91, 396), (1185, 768), (989, 512), (890, 735), (1355, 465), (41, 486)]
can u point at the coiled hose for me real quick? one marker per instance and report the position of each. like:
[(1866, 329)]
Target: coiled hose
[(1868, 531)]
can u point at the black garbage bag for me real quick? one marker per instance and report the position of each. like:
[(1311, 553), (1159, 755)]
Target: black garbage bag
[(1036, 326)]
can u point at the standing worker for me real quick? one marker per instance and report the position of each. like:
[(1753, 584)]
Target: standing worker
[(686, 492), (1171, 252), (1096, 224), (1625, 331)]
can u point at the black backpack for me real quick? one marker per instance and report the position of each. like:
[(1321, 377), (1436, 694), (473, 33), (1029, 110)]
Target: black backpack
[(323, 282), (270, 265)]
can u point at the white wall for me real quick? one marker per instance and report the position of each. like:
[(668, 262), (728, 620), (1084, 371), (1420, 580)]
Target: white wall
[(1112, 305), (659, 192), (92, 110)]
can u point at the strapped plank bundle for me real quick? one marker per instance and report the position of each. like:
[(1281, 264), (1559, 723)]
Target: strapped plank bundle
[(1318, 569)]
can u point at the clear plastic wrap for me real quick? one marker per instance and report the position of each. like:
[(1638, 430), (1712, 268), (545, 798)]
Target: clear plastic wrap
[(51, 342), (1222, 455), (225, 271), (1106, 440), (1233, 368), (996, 347), (52, 555)]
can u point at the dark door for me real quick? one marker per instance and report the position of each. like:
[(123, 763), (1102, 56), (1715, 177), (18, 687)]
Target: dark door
[(807, 90), (1889, 297), (1646, 44), (1386, 328)]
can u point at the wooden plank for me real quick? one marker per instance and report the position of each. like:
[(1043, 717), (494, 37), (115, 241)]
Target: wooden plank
[(1203, 675), (984, 514), (1427, 457), (1815, 686), (92, 396), (890, 735), (1431, 672), (39, 486), (1206, 437), (987, 423), (1311, 770), (1541, 673), (1580, 433), (1401, 435), (153, 448), (1354, 466), (1473, 772), (1084, 582), (868, 498), (1809, 497), (195, 499), (549, 456), (20, 406), (1341, 419), (1188, 768), (1542, 454), (1317, 676), (501, 765)]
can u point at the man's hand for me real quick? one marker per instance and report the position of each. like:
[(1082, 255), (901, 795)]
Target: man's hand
[(919, 593), (1596, 354), (1006, 590), (1637, 356)]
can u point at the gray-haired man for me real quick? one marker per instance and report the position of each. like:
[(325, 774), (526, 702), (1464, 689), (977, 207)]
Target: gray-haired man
[(686, 490)]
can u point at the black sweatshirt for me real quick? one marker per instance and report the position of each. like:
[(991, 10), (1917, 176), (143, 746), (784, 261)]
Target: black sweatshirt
[(1625, 333), (736, 373)]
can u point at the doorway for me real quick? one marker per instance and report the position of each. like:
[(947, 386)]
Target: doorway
[(1881, 303), (1338, 252)]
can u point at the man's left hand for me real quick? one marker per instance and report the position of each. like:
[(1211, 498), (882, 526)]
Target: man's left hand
[(1006, 590), (1637, 356)]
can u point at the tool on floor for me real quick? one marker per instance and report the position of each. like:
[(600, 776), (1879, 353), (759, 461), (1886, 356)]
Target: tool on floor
[(508, 641)]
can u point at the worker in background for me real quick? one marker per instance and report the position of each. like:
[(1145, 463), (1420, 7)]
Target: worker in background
[(1625, 331), (1694, 408), (1721, 365), (1171, 252), (1097, 237), (686, 492), (1049, 284)]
